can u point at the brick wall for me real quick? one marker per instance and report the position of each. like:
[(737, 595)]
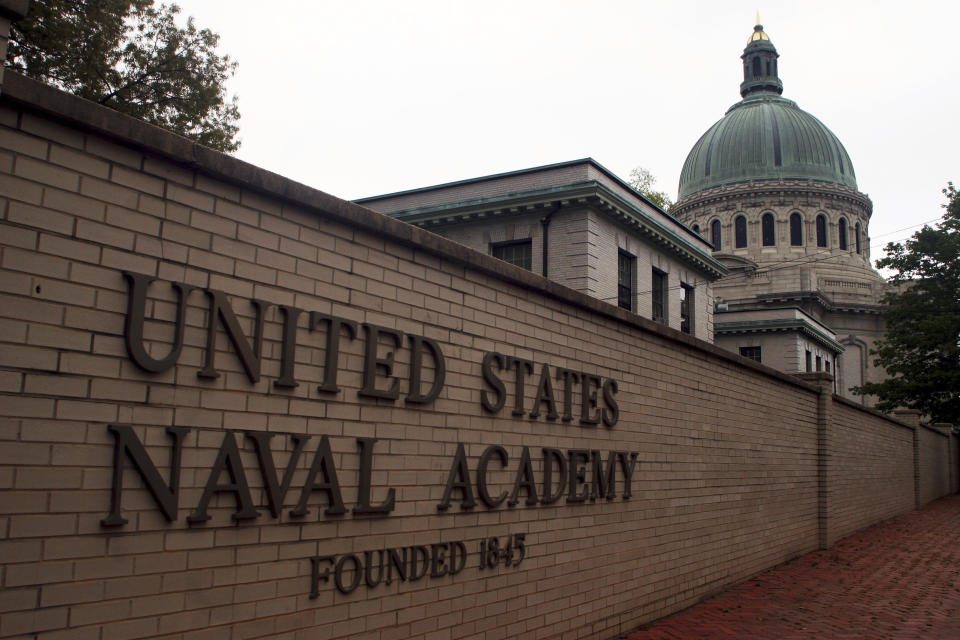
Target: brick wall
[(934, 463), (726, 482), (869, 456), (954, 463)]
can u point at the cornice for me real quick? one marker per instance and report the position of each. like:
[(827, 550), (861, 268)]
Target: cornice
[(777, 326), (817, 297), (781, 188), (589, 193)]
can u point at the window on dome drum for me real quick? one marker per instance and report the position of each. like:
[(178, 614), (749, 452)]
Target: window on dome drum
[(796, 230), (696, 228), (750, 352), (686, 308), (517, 252), (626, 267), (821, 230), (715, 234), (756, 67), (658, 292), (740, 232), (842, 228), (767, 229), (857, 231)]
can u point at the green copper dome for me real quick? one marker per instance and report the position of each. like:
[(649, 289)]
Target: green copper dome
[(764, 136)]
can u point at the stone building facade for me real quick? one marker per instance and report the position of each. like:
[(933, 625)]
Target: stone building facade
[(775, 193), (578, 224)]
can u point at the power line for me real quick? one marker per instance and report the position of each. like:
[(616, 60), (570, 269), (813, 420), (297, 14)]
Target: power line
[(914, 226)]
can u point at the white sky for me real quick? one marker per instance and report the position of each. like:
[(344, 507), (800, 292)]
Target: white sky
[(360, 97)]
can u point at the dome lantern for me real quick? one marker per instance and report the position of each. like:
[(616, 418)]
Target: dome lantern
[(760, 65)]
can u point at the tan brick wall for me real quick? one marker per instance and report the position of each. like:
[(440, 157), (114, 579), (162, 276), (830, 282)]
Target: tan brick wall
[(934, 461), (870, 475), (726, 483), (954, 462)]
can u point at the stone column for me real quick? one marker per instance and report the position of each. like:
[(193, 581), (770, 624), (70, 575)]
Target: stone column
[(10, 12)]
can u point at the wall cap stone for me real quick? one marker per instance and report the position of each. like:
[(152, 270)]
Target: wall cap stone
[(900, 422)]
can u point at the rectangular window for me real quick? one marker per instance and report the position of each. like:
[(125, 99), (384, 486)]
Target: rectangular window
[(659, 296), (519, 253), (626, 265), (686, 308), (750, 352), (826, 365), (809, 361), (819, 363)]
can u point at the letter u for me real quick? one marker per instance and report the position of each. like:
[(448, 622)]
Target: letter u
[(368, 567), (133, 330)]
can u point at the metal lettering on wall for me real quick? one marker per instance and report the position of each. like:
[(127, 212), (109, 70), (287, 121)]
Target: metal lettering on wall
[(573, 476)]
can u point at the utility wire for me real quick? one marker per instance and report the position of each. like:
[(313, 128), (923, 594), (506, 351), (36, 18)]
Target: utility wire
[(914, 226)]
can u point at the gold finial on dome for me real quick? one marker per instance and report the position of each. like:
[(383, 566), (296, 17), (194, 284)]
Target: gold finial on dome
[(758, 33)]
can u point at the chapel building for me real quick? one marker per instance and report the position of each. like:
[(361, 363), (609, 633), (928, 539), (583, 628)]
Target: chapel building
[(775, 193)]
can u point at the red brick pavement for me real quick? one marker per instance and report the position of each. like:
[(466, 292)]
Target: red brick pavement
[(895, 580)]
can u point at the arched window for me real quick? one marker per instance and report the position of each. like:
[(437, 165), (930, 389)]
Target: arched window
[(821, 230), (715, 236), (767, 230), (740, 232), (843, 233), (858, 237), (796, 230)]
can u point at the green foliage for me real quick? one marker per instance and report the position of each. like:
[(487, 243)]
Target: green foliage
[(131, 56), (642, 180), (921, 351)]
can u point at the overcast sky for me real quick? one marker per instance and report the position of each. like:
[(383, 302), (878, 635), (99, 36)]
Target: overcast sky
[(358, 97)]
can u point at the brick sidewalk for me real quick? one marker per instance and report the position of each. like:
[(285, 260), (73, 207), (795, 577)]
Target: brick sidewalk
[(898, 579)]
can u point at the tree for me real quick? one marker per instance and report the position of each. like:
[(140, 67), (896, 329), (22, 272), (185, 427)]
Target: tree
[(921, 351), (642, 180), (131, 56)]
